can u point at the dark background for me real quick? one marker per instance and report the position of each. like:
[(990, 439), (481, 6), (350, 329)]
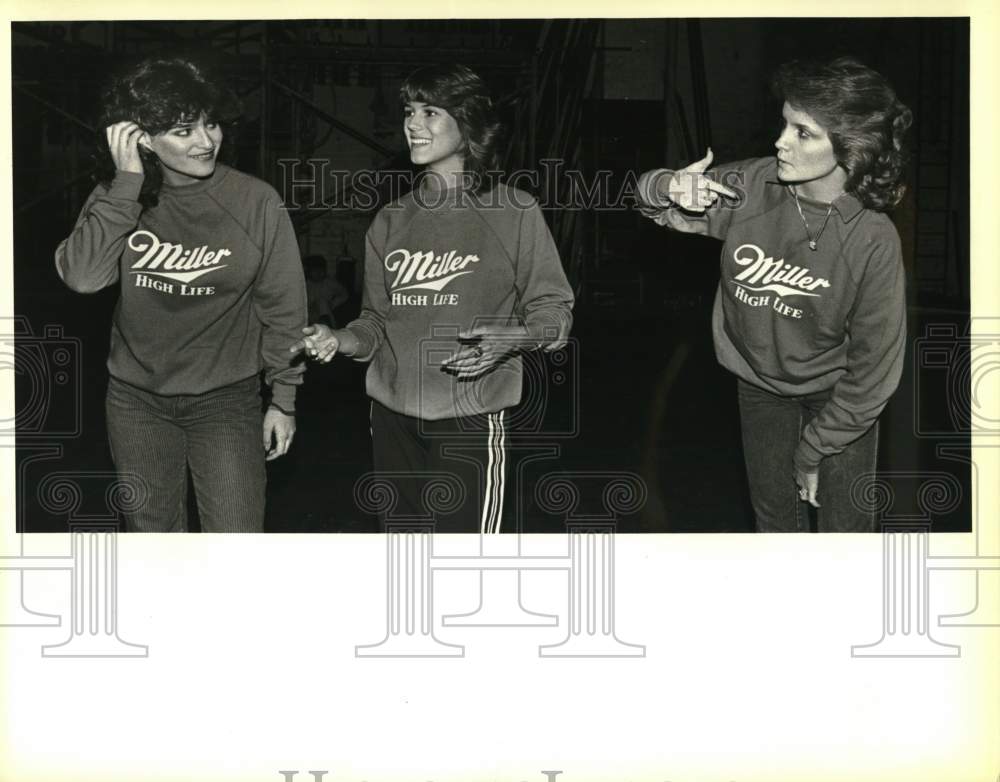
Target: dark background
[(639, 389)]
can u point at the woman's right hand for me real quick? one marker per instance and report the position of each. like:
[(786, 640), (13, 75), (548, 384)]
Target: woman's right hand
[(123, 141), (323, 343), (690, 189)]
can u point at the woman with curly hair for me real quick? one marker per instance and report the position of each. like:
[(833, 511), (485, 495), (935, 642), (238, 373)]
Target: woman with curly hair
[(810, 312), (211, 291), (461, 277)]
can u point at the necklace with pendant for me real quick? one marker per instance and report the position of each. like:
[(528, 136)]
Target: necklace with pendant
[(805, 224)]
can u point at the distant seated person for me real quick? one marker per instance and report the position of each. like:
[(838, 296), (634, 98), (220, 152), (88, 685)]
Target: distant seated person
[(324, 292)]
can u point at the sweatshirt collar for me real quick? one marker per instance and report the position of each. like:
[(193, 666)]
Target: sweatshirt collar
[(221, 170), (846, 205)]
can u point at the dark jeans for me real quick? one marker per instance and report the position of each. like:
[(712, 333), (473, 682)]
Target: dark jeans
[(410, 452), (217, 434), (772, 426)]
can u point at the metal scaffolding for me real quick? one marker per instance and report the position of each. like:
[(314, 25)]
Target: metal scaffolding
[(544, 72)]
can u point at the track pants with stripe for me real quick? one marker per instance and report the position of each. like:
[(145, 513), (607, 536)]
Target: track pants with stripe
[(452, 470)]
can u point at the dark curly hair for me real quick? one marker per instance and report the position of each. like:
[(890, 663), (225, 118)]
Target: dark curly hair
[(157, 94), (864, 119), (463, 94)]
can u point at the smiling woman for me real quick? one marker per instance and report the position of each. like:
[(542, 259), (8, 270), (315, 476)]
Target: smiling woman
[(187, 151), (434, 139), (461, 277), (212, 290)]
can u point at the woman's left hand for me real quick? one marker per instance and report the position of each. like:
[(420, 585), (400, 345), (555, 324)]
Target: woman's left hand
[(492, 345), (279, 429), (808, 483)]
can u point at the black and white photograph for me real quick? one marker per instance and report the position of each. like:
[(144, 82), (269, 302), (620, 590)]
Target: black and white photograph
[(503, 344), (728, 257)]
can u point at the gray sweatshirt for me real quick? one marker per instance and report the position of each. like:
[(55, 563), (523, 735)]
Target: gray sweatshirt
[(212, 288), (795, 321), (440, 263)]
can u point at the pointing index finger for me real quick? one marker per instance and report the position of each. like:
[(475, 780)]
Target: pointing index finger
[(720, 188)]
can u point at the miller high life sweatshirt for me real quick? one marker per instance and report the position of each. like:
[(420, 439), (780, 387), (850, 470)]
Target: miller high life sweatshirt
[(795, 321), (438, 263), (212, 288)]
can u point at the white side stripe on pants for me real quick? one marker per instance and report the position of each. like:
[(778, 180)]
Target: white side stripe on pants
[(493, 494)]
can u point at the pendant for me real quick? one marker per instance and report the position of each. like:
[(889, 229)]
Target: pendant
[(812, 245)]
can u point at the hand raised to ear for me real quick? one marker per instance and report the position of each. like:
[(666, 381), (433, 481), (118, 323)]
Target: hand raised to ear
[(123, 140)]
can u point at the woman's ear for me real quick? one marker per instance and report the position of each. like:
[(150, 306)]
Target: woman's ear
[(144, 141)]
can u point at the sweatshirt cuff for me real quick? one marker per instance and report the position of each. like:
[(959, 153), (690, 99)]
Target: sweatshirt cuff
[(126, 185), (366, 345), (283, 397), (545, 330), (647, 192), (807, 458)]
